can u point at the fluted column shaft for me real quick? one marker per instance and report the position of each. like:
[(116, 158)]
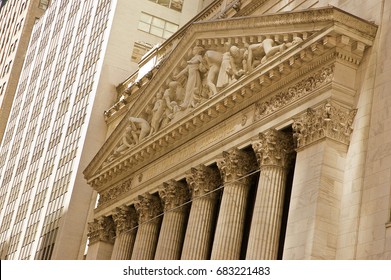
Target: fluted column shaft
[(149, 208), (234, 167), (267, 215), (273, 152), (174, 195), (123, 246), (202, 180), (125, 219)]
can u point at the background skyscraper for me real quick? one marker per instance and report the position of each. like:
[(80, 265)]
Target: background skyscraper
[(17, 19)]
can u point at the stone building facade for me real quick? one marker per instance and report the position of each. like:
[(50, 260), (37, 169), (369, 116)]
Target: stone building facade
[(262, 132)]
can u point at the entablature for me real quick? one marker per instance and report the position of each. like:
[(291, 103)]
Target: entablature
[(303, 42)]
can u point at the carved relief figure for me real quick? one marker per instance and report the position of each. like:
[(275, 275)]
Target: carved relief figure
[(237, 55), (127, 141), (157, 112), (192, 70), (139, 128), (213, 61), (224, 74), (258, 53)]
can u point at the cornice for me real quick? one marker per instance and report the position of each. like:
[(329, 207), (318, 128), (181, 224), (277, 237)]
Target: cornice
[(322, 17), (320, 46)]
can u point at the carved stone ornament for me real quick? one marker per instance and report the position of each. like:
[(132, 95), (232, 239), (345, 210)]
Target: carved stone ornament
[(203, 180), (327, 121), (114, 192), (274, 148), (206, 72), (148, 207), (125, 218), (235, 164), (304, 87), (101, 229), (205, 77), (173, 194)]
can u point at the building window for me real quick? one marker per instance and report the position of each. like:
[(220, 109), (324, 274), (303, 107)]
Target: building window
[(43, 4), (156, 26), (139, 49), (172, 4)]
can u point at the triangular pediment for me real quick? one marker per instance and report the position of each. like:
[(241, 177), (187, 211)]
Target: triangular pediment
[(216, 65)]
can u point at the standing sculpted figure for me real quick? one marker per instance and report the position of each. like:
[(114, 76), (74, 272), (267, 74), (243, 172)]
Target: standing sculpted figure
[(231, 65), (192, 70), (224, 77), (157, 112), (213, 61)]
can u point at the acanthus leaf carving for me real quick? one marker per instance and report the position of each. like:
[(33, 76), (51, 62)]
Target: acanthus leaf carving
[(148, 207), (174, 194), (203, 180), (101, 229), (125, 218), (293, 93), (327, 121), (273, 148), (235, 165), (114, 192)]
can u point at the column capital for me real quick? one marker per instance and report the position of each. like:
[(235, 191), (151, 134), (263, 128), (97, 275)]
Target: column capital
[(202, 180), (326, 121), (101, 229), (148, 207), (234, 164), (173, 194), (125, 218), (273, 148)]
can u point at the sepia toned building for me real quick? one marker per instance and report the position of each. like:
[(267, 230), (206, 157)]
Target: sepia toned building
[(261, 130), (17, 19), (77, 55)]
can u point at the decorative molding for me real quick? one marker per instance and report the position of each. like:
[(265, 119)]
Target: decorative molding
[(203, 180), (125, 218), (173, 195), (148, 207), (325, 44), (101, 229), (235, 164), (291, 94), (327, 121), (114, 192), (274, 148)]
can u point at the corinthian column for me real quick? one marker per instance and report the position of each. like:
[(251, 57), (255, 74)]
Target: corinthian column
[(273, 150), (101, 234), (125, 219), (234, 167), (148, 207), (173, 194), (202, 182)]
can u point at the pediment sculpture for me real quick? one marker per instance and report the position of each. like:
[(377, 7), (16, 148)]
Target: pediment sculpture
[(205, 73)]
